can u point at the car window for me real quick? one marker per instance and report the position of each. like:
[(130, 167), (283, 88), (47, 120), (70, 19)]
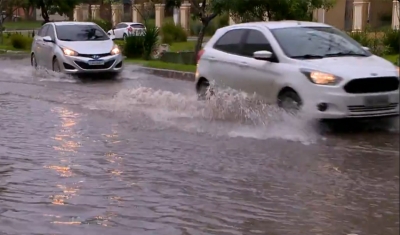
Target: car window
[(50, 32), (320, 41), (42, 31), (121, 26), (230, 41), (255, 41), (137, 26), (80, 32)]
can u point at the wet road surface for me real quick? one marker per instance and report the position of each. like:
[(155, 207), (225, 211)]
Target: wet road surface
[(141, 156)]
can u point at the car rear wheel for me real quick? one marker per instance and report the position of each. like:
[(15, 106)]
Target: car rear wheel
[(204, 90), (33, 61), (56, 66), (289, 101)]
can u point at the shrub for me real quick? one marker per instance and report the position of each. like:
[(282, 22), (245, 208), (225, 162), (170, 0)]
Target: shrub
[(391, 39), (134, 46), (19, 41), (104, 24), (361, 37), (173, 32), (150, 41)]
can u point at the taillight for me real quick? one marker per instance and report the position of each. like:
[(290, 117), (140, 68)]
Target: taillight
[(201, 52), (130, 29)]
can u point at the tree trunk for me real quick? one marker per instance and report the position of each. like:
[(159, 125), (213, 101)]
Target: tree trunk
[(200, 38)]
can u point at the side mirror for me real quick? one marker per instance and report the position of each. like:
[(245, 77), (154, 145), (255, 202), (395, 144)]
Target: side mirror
[(112, 37), (262, 55), (366, 48), (48, 39)]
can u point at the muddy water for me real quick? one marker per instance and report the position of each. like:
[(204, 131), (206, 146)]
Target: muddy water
[(141, 155)]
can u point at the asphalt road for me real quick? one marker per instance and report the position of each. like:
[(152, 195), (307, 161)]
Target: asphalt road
[(140, 155)]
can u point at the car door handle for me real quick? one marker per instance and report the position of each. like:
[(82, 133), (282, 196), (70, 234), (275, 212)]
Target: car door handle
[(212, 58)]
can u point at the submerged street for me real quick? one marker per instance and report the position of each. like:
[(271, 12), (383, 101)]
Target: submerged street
[(140, 155)]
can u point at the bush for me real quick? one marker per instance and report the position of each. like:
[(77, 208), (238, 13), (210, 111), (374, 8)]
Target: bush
[(21, 42), (391, 39), (150, 41), (173, 33), (361, 37), (134, 46), (104, 24)]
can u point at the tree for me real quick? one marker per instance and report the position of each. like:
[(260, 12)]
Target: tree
[(205, 11), (47, 7)]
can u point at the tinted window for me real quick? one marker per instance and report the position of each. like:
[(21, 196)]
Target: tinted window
[(80, 33), (255, 41), (120, 26), (300, 41), (137, 26), (42, 31), (230, 41), (51, 33)]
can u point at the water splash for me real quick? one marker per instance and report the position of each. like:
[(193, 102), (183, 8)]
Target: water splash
[(227, 112)]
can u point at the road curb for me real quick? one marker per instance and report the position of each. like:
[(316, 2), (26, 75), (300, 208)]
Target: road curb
[(166, 73), (14, 55)]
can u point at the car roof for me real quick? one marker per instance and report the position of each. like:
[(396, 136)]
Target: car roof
[(130, 23), (280, 24), (59, 23)]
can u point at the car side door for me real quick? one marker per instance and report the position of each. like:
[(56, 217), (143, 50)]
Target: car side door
[(48, 47), (38, 48), (120, 29), (260, 76), (224, 58)]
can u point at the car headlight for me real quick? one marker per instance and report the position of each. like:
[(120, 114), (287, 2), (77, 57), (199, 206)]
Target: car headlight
[(69, 52), (115, 50), (321, 78)]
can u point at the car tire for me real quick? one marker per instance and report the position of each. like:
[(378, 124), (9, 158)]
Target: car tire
[(290, 101), (56, 66), (204, 90), (33, 61), (124, 36)]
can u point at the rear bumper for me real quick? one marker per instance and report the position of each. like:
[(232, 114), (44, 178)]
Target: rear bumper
[(80, 65)]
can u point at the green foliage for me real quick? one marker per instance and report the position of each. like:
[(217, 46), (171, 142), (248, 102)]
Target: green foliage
[(361, 37), (104, 24), (173, 33), (18, 41), (133, 47), (391, 39), (150, 41)]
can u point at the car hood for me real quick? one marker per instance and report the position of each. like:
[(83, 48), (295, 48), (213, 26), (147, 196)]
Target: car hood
[(89, 47), (352, 67)]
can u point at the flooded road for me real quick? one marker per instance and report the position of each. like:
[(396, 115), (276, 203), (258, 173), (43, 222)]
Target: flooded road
[(141, 156)]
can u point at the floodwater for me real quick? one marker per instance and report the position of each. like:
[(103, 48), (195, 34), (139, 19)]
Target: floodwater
[(140, 155)]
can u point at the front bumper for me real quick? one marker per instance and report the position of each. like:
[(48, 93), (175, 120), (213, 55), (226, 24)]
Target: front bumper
[(342, 105), (79, 65)]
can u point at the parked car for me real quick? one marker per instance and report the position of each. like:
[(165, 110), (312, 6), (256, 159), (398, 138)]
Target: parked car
[(74, 48), (125, 29), (300, 65)]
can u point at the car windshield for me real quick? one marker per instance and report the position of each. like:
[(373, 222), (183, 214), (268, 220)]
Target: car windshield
[(317, 43), (80, 33)]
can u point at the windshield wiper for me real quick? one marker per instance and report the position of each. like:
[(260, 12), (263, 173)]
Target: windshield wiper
[(345, 54), (307, 56)]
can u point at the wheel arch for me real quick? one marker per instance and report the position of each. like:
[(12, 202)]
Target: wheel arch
[(200, 81)]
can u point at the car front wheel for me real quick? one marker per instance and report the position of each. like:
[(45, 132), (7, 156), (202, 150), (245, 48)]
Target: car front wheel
[(33, 61), (289, 101), (56, 66)]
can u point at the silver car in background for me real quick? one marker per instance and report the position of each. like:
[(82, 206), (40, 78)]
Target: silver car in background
[(76, 48)]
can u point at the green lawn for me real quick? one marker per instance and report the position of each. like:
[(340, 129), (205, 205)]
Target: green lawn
[(21, 25), (392, 58), (162, 65), (182, 46)]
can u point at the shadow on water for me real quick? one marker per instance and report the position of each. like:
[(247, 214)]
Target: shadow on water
[(98, 78), (349, 126)]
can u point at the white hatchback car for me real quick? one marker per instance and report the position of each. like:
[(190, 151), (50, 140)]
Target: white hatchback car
[(76, 48), (125, 29), (301, 65)]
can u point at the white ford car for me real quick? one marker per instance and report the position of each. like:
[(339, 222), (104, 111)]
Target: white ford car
[(300, 65)]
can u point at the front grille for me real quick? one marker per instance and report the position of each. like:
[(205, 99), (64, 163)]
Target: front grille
[(372, 85), (85, 65), (91, 55), (362, 108)]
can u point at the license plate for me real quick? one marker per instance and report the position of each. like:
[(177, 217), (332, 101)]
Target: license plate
[(376, 101), (96, 62)]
